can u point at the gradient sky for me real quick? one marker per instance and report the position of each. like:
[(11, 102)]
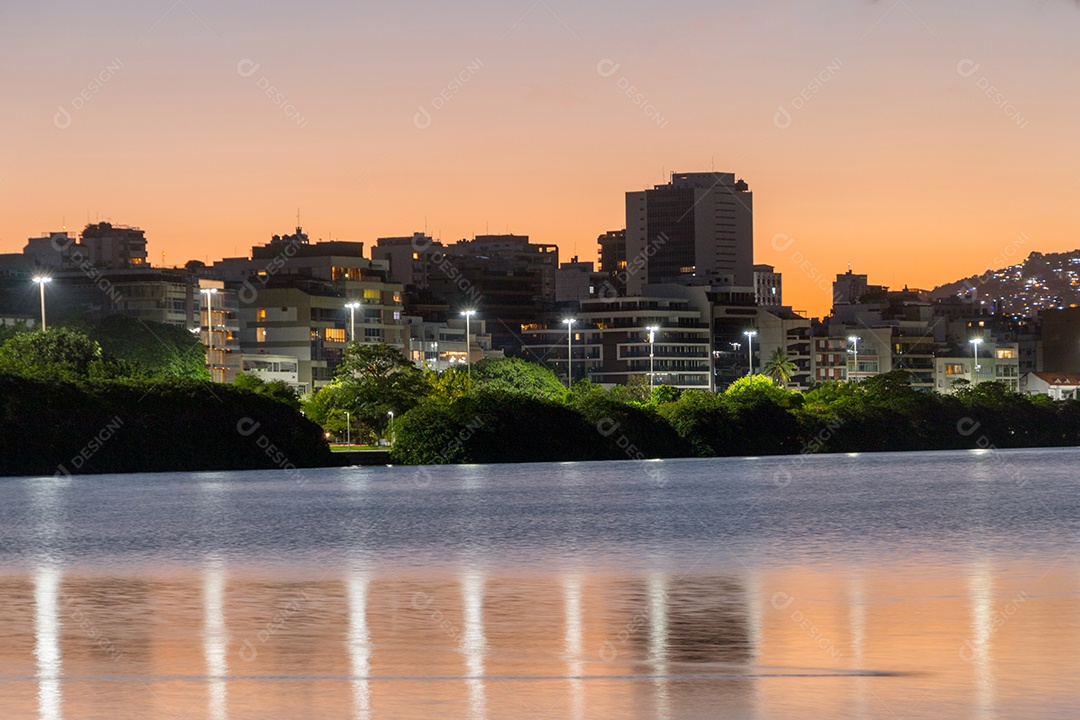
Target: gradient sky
[(900, 164)]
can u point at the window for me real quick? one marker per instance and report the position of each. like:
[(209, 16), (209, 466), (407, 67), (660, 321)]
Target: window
[(260, 314), (334, 335), (416, 256), (372, 295), (260, 334), (1006, 354), (953, 369)]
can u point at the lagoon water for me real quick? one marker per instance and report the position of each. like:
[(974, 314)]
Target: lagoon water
[(918, 585)]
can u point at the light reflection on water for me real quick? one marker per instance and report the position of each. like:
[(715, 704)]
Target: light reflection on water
[(862, 590)]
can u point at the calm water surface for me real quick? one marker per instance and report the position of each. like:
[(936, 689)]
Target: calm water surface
[(918, 585)]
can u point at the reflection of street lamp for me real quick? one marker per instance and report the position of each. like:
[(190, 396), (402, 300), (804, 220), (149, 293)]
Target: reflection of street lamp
[(569, 351), (750, 335), (41, 280), (855, 340), (209, 292), (352, 320), (468, 343), (652, 338), (975, 343)]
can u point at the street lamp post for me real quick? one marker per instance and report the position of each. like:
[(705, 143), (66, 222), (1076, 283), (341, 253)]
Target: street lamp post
[(348, 430), (41, 280), (468, 339), (352, 320), (569, 351), (975, 343), (652, 338), (391, 414), (209, 292), (854, 339), (750, 335)]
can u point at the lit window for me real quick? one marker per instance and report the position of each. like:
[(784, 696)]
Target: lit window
[(1006, 354), (334, 335), (372, 295), (416, 256), (260, 334), (260, 314)]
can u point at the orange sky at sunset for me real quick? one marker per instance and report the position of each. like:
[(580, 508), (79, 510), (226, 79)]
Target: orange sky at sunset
[(933, 138)]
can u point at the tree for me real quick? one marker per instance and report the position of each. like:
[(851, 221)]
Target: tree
[(779, 367), (151, 349), (514, 375), (754, 389), (373, 380), (55, 353), (277, 389)]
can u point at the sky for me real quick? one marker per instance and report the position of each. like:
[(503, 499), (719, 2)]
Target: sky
[(918, 142)]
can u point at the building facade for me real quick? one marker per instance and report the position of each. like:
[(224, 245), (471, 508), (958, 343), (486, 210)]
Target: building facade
[(699, 225)]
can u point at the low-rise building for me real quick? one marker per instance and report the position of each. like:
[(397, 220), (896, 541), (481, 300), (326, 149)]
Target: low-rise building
[(610, 342), (271, 368), (1059, 385), (998, 362)]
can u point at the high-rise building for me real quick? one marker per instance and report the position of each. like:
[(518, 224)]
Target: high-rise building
[(613, 263), (294, 297), (768, 286), (699, 228), (115, 246)]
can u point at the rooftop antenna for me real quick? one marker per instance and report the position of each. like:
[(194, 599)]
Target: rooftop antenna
[(425, 224)]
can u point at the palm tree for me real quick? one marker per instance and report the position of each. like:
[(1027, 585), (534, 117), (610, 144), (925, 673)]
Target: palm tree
[(779, 367)]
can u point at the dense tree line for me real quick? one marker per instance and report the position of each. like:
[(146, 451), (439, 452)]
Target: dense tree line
[(512, 410), (68, 406), (64, 397)]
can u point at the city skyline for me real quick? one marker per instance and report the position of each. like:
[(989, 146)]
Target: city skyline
[(915, 143)]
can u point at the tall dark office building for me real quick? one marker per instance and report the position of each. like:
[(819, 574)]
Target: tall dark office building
[(613, 262), (699, 227)]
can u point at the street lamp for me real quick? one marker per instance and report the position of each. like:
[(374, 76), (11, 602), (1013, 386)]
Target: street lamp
[(209, 292), (41, 280), (975, 343), (391, 414), (352, 320), (569, 351), (468, 342), (750, 335), (854, 339), (652, 338), (348, 430)]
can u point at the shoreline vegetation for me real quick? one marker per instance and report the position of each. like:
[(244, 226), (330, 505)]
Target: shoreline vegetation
[(68, 407)]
